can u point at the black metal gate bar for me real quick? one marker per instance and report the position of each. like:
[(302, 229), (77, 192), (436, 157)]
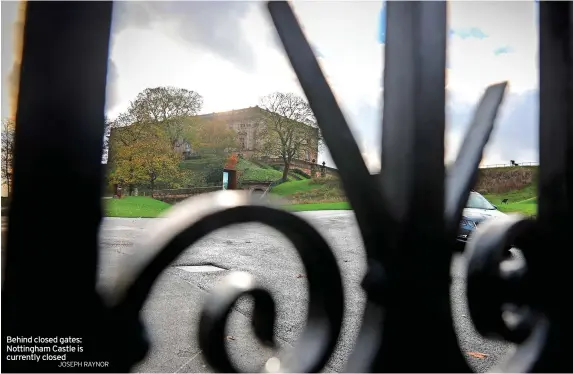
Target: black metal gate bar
[(551, 259), (416, 259), (364, 196), (54, 217), (544, 330)]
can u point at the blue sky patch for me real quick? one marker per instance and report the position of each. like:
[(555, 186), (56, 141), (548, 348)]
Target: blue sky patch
[(503, 50), (382, 25), (464, 33), (469, 32)]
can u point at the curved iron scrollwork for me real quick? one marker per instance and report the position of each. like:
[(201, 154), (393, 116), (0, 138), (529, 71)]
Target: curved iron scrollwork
[(199, 216), (404, 279)]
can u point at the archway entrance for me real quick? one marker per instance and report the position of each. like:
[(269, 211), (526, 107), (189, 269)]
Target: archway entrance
[(229, 179)]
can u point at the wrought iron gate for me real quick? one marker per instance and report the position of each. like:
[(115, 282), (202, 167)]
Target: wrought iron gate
[(50, 274)]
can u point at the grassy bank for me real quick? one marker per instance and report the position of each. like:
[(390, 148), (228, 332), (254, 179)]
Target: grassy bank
[(515, 184), (522, 201), (249, 171), (209, 169), (311, 191), (134, 207), (518, 185)]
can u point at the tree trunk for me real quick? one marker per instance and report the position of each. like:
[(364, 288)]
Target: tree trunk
[(152, 186), (130, 186), (285, 171)]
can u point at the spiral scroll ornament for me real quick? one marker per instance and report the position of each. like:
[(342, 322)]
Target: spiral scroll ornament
[(193, 219)]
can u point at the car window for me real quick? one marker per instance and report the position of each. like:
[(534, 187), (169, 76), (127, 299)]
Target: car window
[(477, 201)]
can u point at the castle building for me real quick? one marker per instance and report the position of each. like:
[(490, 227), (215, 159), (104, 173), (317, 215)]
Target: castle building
[(246, 123)]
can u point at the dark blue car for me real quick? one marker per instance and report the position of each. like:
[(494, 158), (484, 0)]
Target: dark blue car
[(477, 210)]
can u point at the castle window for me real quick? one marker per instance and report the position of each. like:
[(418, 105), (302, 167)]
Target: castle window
[(242, 142)]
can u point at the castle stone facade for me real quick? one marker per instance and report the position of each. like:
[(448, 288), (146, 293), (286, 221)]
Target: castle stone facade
[(246, 124)]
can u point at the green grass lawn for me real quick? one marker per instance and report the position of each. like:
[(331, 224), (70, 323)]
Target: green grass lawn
[(253, 172), (134, 207), (311, 191), (305, 191), (290, 188), (146, 207), (516, 196), (522, 201), (525, 208), (207, 161), (249, 171)]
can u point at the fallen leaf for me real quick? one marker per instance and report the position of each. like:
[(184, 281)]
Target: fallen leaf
[(300, 276), (230, 337), (477, 354)]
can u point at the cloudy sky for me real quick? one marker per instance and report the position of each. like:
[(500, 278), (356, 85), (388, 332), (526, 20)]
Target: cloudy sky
[(229, 53)]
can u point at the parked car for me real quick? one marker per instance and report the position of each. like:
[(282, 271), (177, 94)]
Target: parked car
[(477, 210)]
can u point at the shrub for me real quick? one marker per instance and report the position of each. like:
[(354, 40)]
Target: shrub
[(330, 181)]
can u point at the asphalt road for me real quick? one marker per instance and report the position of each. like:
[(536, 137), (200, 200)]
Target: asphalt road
[(172, 311)]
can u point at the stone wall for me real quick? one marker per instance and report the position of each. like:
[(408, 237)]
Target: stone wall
[(255, 185), (175, 196), (303, 165)]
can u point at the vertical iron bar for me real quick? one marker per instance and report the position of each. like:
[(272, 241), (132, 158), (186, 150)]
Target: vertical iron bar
[(417, 261), (550, 260), (414, 106), (363, 196), (52, 248), (555, 111)]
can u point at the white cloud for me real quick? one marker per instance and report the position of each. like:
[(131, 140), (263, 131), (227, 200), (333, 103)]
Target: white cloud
[(474, 65), (162, 52)]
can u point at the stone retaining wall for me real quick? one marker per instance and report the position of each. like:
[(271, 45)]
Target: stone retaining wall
[(175, 196)]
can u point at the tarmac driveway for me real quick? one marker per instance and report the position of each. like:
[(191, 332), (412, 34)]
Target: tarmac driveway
[(172, 311)]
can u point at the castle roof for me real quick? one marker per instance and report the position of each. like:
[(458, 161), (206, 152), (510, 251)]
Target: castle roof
[(237, 114)]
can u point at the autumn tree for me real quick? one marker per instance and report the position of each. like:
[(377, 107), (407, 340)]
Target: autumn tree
[(168, 107), (125, 133), (7, 155), (212, 136), (156, 161), (288, 128), (158, 117), (146, 159), (122, 168)]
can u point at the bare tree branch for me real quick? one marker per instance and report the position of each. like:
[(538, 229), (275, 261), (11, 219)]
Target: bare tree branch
[(7, 155), (289, 129)]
